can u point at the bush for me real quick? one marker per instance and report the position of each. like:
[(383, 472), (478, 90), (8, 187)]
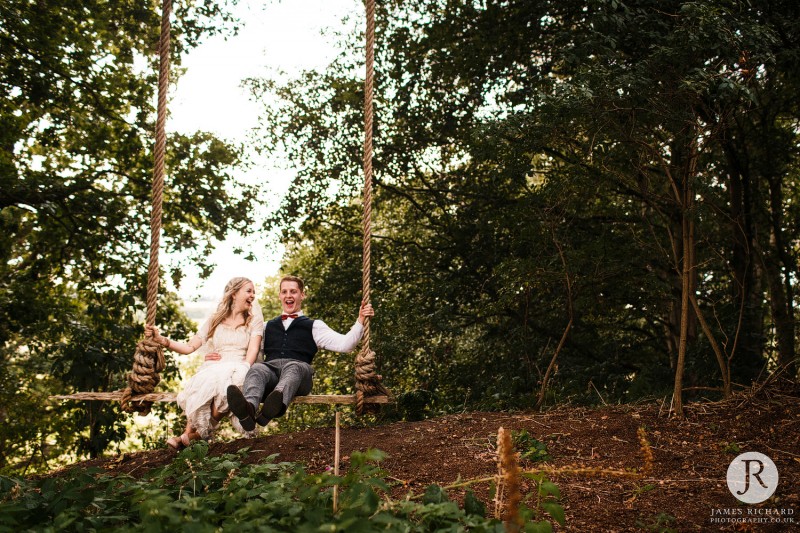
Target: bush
[(197, 492)]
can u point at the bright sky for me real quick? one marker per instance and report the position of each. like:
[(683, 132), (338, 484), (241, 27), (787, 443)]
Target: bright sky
[(275, 35)]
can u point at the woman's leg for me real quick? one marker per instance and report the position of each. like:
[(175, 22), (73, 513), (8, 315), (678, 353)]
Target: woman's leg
[(216, 414)]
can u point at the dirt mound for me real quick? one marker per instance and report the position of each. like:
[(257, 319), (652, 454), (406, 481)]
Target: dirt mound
[(687, 490)]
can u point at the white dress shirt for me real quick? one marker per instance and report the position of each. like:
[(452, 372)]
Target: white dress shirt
[(328, 339)]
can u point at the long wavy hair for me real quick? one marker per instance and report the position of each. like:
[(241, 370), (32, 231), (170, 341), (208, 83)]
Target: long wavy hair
[(225, 306)]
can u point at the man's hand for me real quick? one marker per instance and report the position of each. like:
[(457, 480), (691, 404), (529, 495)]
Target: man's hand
[(365, 311)]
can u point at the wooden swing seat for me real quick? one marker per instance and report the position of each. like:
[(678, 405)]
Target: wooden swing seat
[(167, 397)]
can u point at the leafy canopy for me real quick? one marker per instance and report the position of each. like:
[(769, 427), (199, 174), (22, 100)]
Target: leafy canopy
[(77, 87)]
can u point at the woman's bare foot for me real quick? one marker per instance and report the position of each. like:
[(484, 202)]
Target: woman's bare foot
[(176, 443), (189, 436)]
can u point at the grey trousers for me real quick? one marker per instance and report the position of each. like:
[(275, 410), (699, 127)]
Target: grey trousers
[(289, 376)]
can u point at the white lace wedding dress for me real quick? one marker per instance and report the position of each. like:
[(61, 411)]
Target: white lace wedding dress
[(210, 383)]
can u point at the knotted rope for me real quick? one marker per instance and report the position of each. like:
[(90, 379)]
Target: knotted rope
[(149, 355), (368, 383), (148, 361)]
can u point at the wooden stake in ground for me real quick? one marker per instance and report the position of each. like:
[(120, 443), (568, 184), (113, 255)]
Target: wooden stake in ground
[(336, 464)]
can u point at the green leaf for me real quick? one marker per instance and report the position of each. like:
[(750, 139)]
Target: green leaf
[(547, 487), (473, 505), (434, 494), (542, 526), (555, 510)]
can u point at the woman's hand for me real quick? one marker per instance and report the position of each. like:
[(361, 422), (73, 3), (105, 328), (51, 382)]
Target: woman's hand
[(158, 337), (213, 356)]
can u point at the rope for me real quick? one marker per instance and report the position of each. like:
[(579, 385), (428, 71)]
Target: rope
[(149, 356), (148, 361), (368, 383)]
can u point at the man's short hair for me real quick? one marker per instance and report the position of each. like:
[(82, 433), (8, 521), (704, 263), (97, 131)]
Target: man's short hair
[(300, 284)]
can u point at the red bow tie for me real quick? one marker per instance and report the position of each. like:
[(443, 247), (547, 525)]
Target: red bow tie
[(285, 316)]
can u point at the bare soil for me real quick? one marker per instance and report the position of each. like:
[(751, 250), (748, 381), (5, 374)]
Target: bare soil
[(687, 490)]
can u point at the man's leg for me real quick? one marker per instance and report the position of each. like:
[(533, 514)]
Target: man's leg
[(245, 405), (259, 381), (296, 379), (274, 375)]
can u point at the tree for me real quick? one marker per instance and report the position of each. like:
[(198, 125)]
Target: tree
[(614, 122), (76, 131)]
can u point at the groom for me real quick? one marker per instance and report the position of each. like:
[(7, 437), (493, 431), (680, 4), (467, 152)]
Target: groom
[(290, 342)]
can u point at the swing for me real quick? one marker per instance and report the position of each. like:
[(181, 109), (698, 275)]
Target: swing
[(149, 356)]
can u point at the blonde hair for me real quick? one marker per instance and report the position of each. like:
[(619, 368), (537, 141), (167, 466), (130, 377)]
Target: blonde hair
[(225, 306)]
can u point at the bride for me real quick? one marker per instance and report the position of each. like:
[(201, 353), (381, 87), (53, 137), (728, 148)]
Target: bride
[(232, 336)]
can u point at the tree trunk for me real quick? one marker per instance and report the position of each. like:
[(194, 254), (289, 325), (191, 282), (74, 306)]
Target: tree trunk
[(722, 360), (682, 249), (685, 195), (746, 282), (780, 266), (551, 366), (683, 341), (782, 313)]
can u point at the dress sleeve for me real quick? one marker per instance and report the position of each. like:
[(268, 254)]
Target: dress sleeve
[(257, 323), (202, 333)]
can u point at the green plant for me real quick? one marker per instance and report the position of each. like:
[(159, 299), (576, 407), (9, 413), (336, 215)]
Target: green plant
[(530, 448), (197, 492), (546, 499), (638, 491), (659, 523), (730, 447)]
